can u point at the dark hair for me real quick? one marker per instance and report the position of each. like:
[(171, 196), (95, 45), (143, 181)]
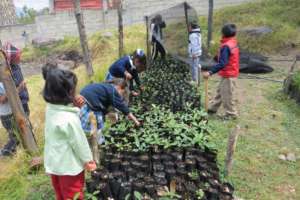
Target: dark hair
[(118, 82), (194, 25), (140, 55), (60, 85), (47, 67), (229, 30)]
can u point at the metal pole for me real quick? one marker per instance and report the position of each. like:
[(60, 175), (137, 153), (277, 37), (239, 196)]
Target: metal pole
[(210, 22), (22, 121)]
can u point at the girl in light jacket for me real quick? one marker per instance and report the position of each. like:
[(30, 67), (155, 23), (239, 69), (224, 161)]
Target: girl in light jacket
[(195, 49)]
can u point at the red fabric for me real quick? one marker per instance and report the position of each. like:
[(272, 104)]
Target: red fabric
[(13, 54), (232, 69), (66, 187), (68, 4)]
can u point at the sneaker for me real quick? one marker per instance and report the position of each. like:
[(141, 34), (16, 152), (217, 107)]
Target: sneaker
[(5, 152), (211, 112), (228, 117), (10, 146)]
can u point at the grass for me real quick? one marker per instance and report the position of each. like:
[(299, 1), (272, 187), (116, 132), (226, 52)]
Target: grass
[(281, 16), (257, 172), (296, 80), (269, 124), (15, 183)]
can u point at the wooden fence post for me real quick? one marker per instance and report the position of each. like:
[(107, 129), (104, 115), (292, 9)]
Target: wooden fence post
[(186, 15), (210, 22), (148, 41), (83, 38), (121, 31), (22, 121), (232, 141)]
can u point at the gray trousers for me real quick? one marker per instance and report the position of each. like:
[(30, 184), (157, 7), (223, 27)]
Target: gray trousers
[(195, 69)]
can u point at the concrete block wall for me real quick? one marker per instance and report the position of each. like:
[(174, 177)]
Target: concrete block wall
[(60, 24), (13, 34)]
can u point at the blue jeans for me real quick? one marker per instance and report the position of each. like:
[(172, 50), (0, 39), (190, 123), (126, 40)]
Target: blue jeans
[(194, 68), (109, 77)]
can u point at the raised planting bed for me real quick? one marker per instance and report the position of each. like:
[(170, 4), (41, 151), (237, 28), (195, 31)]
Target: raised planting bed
[(193, 174), (167, 83), (171, 155)]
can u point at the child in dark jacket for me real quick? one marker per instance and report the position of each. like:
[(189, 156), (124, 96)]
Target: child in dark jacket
[(13, 58), (98, 98), (228, 69), (129, 68)]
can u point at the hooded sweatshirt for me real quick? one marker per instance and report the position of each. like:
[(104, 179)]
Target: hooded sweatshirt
[(195, 43), (66, 147)]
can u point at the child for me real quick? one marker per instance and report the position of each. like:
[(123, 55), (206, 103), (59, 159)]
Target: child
[(228, 68), (13, 55), (156, 37), (195, 49), (7, 120), (66, 153), (129, 68), (98, 98)]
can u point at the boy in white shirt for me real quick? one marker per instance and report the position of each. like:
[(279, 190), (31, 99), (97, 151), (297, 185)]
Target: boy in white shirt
[(195, 49), (7, 121)]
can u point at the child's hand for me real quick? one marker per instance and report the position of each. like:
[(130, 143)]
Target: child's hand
[(137, 123), (90, 166), (79, 101), (206, 74), (142, 88), (128, 76), (22, 86), (135, 94)]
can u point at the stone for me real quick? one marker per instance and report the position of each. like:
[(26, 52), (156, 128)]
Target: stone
[(256, 31), (291, 157), (42, 42), (282, 157), (66, 64)]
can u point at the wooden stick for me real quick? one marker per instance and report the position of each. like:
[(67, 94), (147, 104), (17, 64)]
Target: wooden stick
[(148, 41), (121, 30), (22, 121), (210, 22), (232, 141), (206, 93), (83, 38), (94, 142)]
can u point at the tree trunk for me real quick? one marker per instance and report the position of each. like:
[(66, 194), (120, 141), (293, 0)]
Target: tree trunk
[(210, 22), (22, 121), (83, 38), (121, 32)]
